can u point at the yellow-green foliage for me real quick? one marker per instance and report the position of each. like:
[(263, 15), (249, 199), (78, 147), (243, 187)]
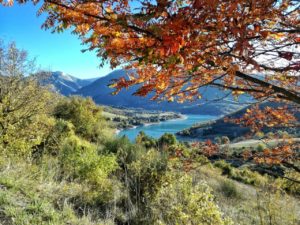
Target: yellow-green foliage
[(180, 201), (167, 140), (31, 194), (243, 175), (148, 169), (59, 132), (24, 123), (86, 117), (244, 206), (274, 207), (229, 189), (288, 184), (80, 160), (145, 140), (60, 164)]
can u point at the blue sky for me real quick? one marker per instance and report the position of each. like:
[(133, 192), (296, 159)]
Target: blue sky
[(55, 52)]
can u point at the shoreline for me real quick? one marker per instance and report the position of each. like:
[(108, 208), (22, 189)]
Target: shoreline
[(182, 117)]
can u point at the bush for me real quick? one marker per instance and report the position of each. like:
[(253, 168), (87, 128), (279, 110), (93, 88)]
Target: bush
[(228, 188), (259, 135), (243, 175), (225, 140), (271, 209), (289, 186), (86, 117), (167, 140), (218, 140), (260, 147), (125, 151), (79, 160), (179, 201), (24, 121), (145, 140), (60, 131)]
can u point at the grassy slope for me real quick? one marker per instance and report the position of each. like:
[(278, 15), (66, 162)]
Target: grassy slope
[(243, 203), (31, 194)]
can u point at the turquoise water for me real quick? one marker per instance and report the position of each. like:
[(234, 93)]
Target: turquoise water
[(171, 126)]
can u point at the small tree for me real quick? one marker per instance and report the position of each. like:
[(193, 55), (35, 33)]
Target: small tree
[(167, 140), (86, 117), (24, 104), (145, 140)]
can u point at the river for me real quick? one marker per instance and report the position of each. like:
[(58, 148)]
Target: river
[(171, 126)]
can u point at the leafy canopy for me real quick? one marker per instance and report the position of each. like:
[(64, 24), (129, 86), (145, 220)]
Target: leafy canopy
[(199, 42)]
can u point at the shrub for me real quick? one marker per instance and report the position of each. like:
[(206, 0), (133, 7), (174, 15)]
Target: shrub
[(289, 186), (179, 201), (271, 209), (145, 140), (79, 160), (60, 131), (125, 151), (243, 175), (167, 140), (86, 117), (260, 147), (259, 135), (228, 188), (225, 167), (218, 140)]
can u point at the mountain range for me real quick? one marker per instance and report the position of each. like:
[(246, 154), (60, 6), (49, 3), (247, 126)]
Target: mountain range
[(65, 83), (100, 92)]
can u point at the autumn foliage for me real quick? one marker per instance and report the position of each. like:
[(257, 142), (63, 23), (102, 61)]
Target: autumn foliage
[(177, 47)]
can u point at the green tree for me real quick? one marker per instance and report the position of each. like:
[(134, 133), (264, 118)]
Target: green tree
[(86, 117), (24, 104), (145, 140), (167, 140)]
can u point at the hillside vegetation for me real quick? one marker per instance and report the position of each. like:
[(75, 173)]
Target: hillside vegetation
[(60, 163), (76, 172)]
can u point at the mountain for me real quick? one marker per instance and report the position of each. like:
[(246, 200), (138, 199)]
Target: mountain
[(64, 83), (101, 94)]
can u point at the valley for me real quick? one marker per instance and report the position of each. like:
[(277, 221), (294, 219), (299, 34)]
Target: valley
[(131, 114), (163, 112), (127, 111), (108, 156)]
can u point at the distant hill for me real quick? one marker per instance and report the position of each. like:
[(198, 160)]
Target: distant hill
[(101, 94), (218, 127), (64, 83)]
